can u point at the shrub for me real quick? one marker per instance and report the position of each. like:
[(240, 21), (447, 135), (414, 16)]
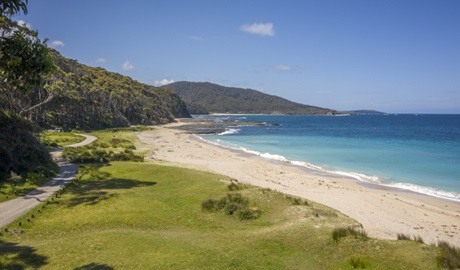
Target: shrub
[(233, 187), (232, 204), (448, 256), (209, 205), (247, 214), (344, 232)]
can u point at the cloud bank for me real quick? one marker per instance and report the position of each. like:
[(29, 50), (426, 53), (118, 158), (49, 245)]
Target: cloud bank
[(282, 67), (162, 82), (127, 66), (261, 29)]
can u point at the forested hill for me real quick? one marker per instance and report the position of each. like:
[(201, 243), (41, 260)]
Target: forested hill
[(204, 97), (93, 98)]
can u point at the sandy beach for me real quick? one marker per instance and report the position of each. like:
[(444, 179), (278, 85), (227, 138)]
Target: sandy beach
[(383, 212)]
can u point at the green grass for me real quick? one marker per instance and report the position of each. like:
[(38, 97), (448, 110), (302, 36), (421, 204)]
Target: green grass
[(59, 139), (146, 216)]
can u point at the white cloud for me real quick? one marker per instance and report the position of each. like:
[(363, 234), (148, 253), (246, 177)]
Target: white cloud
[(282, 67), (127, 65), (101, 60), (261, 29), (56, 43), (196, 38), (24, 24), (162, 82)]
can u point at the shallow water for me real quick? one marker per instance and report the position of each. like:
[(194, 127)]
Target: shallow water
[(416, 152)]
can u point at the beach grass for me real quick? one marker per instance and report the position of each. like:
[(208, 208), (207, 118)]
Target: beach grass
[(149, 216)]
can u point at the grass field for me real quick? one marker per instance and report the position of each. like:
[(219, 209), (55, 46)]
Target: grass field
[(59, 139), (132, 215)]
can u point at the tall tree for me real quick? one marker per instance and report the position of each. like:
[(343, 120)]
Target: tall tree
[(24, 62)]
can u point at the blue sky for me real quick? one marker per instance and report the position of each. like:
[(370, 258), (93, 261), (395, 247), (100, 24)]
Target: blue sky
[(388, 55)]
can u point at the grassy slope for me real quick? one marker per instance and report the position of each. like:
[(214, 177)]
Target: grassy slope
[(59, 139), (147, 216)]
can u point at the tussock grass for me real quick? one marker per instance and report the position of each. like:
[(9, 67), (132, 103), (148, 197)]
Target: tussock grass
[(448, 256), (402, 236), (232, 204), (339, 233)]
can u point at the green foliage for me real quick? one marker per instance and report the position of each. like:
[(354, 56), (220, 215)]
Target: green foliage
[(448, 256), (25, 62), (88, 98), (21, 152), (344, 232), (202, 98), (233, 203), (94, 155), (11, 7)]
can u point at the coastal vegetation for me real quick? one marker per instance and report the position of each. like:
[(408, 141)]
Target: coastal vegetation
[(94, 98), (39, 88), (149, 216), (58, 139), (204, 97), (24, 161)]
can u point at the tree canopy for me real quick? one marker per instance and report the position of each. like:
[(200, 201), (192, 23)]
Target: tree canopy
[(24, 62)]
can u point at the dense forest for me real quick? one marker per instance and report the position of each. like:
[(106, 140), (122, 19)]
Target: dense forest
[(93, 98), (204, 97)]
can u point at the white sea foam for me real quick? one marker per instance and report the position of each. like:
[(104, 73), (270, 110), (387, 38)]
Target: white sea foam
[(230, 131), (427, 191), (358, 176)]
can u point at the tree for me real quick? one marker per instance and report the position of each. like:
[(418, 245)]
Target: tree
[(11, 7), (25, 62)]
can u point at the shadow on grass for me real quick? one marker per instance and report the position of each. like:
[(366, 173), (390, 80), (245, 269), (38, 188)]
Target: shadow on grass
[(91, 192), (13, 256), (94, 266)]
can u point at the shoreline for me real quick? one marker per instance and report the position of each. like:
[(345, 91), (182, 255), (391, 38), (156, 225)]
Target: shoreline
[(384, 211), (358, 177)]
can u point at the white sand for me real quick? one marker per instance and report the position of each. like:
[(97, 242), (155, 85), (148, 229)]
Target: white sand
[(384, 212)]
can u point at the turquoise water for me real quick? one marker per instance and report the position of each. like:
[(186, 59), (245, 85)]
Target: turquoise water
[(416, 152)]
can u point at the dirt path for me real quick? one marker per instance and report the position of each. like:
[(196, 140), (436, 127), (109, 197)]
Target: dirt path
[(11, 210)]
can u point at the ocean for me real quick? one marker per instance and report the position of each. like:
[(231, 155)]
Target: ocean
[(414, 152)]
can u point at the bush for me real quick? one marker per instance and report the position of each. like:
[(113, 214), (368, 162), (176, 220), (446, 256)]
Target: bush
[(247, 214), (20, 150), (448, 256), (230, 205), (209, 205)]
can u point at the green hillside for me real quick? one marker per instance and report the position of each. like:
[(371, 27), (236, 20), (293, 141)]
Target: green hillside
[(92, 98), (204, 97)]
